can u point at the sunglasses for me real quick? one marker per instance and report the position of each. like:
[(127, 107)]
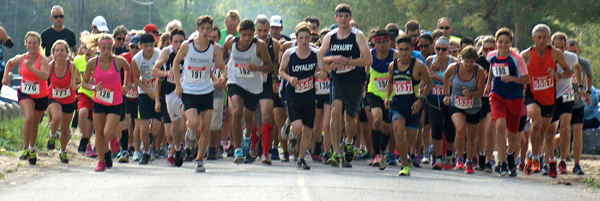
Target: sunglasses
[(488, 49), (446, 28), (120, 38), (58, 16), (453, 50), (424, 46), (134, 47), (441, 49)]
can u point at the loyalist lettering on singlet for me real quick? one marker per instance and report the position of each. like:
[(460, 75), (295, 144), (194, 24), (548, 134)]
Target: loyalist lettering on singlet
[(341, 47), (303, 67)]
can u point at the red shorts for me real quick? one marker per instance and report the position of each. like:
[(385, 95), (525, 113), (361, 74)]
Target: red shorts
[(85, 102), (509, 109)]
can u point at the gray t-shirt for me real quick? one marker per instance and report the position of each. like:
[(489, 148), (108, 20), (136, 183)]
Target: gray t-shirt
[(585, 70)]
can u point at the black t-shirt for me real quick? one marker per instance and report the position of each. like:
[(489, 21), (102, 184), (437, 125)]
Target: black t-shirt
[(119, 51), (49, 36)]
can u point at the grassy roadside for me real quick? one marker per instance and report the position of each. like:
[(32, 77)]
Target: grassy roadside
[(11, 138)]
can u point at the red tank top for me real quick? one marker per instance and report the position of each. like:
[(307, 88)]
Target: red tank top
[(133, 92), (31, 84), (111, 92), (60, 88), (542, 84)]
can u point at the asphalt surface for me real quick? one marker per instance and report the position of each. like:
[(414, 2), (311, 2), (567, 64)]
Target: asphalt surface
[(225, 180)]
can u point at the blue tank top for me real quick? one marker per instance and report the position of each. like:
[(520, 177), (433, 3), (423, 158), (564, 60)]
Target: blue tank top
[(382, 65)]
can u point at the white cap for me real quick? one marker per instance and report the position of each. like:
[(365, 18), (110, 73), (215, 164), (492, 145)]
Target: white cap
[(261, 16), (100, 23), (276, 21)]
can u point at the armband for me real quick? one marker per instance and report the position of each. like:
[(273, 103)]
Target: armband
[(9, 43)]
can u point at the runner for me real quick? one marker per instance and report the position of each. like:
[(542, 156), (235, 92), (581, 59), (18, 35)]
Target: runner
[(439, 114), (405, 75), (486, 138), (142, 65), (5, 40), (466, 81), (131, 138), (376, 89), (413, 29), (32, 92), (108, 91), (323, 112), (505, 83), (216, 123), (168, 103), (299, 66), (541, 60), (276, 27), (64, 79), (232, 20), (84, 102), (349, 50), (196, 85)]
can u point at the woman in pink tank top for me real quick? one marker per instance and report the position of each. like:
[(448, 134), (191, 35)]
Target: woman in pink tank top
[(108, 94), (33, 92), (63, 82)]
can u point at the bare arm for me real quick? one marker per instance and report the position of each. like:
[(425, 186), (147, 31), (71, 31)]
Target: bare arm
[(560, 59), (89, 67), (263, 54), (447, 75), (162, 59), (283, 68), (183, 50), (480, 82), (366, 59)]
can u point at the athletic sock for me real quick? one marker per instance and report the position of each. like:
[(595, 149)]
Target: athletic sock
[(124, 139), (267, 131), (376, 138), (254, 135), (385, 138)]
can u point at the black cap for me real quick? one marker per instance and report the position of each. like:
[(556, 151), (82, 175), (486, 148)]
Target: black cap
[(147, 38), (393, 34)]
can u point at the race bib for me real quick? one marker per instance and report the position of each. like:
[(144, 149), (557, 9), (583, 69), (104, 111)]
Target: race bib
[(345, 69), (437, 90), (304, 85), (241, 71), (322, 86), (61, 92), (380, 83), (196, 74), (403, 87), (216, 71), (569, 96), (462, 102), (132, 93), (500, 69), (149, 83), (30, 87), (105, 95), (542, 82)]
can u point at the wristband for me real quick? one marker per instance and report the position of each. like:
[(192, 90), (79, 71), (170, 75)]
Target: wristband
[(94, 88)]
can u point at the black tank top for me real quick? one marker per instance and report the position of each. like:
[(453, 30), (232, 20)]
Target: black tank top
[(304, 70), (348, 48), (405, 86), (165, 86)]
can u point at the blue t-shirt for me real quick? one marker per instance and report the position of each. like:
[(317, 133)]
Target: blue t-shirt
[(512, 65)]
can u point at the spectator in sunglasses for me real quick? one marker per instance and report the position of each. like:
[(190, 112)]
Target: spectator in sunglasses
[(57, 31), (119, 34)]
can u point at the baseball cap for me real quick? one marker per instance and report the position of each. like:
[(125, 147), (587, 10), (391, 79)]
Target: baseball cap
[(147, 38), (276, 21), (393, 34), (150, 28), (100, 23), (135, 40)]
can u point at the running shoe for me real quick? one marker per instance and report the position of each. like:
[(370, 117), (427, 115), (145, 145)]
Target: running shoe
[(381, 161), (114, 145), (545, 169), (326, 157), (334, 160), (391, 159), (364, 155), (295, 157), (89, 152), (81, 148), (405, 171), (265, 160), (199, 166), (32, 158), (137, 156), (415, 162), (212, 153), (124, 158), (577, 170), (481, 163), (488, 167), (145, 159), (100, 167), (528, 167), (521, 166), (190, 138), (108, 160), (245, 146), (230, 151), (562, 167), (285, 131), (438, 164), (63, 157), (513, 172), (425, 159), (238, 156), (51, 142), (346, 165), (274, 154), (178, 157), (153, 153), (220, 152), (24, 154), (301, 164), (187, 154), (286, 157), (497, 167), (292, 143), (552, 172), (317, 158), (249, 159), (448, 163), (504, 169), (535, 166), (469, 168), (375, 161), (253, 150), (348, 153), (171, 160)]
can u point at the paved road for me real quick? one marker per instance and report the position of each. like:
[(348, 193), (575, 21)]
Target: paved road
[(282, 181)]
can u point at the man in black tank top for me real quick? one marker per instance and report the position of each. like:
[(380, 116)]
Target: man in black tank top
[(349, 52)]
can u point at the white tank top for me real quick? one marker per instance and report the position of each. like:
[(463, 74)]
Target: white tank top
[(237, 68), (197, 66), (145, 68)]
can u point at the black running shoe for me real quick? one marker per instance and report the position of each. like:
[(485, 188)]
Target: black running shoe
[(348, 153), (212, 153), (179, 158), (187, 155), (108, 160), (286, 157), (145, 159), (301, 164)]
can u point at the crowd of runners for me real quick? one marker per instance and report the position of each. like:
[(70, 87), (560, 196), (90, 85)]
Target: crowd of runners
[(408, 98)]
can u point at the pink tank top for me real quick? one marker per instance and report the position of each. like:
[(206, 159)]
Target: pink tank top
[(31, 84), (111, 92)]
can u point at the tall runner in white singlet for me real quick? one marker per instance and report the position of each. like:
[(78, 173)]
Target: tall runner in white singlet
[(248, 60), (196, 83)]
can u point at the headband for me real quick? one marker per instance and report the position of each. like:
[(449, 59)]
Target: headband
[(381, 38), (443, 41), (343, 10), (105, 40)]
